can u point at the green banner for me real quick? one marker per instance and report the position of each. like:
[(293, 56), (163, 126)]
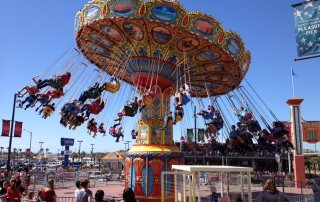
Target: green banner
[(307, 27), (190, 134), (201, 134)]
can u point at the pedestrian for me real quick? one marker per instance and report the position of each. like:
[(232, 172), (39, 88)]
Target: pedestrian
[(85, 194), (13, 192), (77, 191), (48, 194), (128, 195), (99, 196), (3, 191), (270, 193), (214, 196)]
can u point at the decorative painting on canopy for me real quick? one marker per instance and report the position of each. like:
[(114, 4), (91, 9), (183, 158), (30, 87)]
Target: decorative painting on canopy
[(162, 38)]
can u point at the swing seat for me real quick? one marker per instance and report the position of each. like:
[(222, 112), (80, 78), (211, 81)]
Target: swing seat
[(48, 111), (33, 90), (113, 88)]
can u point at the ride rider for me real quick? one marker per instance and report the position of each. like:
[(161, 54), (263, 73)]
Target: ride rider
[(57, 83)]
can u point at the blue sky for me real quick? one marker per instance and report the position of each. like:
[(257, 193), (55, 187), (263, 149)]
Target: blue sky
[(35, 33)]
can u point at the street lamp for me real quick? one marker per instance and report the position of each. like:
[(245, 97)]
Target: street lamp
[(80, 141), (30, 133), (92, 151), (41, 153), (128, 142)]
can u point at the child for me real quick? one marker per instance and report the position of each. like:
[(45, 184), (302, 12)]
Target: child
[(30, 197)]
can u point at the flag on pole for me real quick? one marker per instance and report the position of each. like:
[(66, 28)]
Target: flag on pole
[(201, 134), (190, 134), (18, 129), (5, 128), (293, 73)]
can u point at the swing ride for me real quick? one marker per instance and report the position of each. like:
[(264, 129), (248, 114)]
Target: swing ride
[(153, 51)]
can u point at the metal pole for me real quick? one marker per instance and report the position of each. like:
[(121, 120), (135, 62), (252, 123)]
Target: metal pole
[(289, 161), (195, 124), (41, 150), (11, 131), (132, 171), (30, 133), (128, 142), (30, 148), (91, 151), (79, 153)]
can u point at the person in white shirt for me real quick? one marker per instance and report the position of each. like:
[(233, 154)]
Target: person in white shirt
[(77, 191)]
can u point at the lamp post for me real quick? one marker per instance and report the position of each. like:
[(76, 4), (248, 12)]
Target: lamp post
[(92, 152), (30, 133), (80, 141), (41, 151), (11, 132), (125, 146), (128, 142)]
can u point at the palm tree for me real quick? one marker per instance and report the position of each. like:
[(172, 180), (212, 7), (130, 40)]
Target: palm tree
[(74, 155), (315, 161), (19, 154), (82, 155), (1, 148), (308, 165)]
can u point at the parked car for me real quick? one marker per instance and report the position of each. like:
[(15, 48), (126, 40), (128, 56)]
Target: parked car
[(99, 175)]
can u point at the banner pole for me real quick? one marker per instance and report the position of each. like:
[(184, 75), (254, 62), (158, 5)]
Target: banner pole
[(11, 132), (292, 82)]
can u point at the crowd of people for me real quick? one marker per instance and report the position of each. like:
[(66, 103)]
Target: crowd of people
[(15, 189)]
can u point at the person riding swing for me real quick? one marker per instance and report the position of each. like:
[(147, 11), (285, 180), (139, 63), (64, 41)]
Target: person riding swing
[(178, 111), (57, 83), (92, 127), (101, 129), (47, 110), (93, 92)]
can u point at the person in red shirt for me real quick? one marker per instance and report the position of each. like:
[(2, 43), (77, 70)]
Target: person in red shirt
[(13, 192), (48, 194), (31, 90), (57, 83), (56, 93)]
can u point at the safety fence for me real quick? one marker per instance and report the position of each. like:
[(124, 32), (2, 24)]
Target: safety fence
[(205, 186), (304, 198), (67, 179)]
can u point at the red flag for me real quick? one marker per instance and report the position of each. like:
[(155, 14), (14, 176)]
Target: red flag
[(5, 128), (18, 129)]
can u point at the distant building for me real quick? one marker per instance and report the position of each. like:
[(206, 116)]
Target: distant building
[(114, 161)]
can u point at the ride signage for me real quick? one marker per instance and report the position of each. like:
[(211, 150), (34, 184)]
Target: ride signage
[(67, 142), (311, 131), (307, 28)]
